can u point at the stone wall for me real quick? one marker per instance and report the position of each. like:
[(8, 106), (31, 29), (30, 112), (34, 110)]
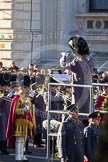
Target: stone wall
[(34, 30), (19, 30), (6, 31), (27, 29)]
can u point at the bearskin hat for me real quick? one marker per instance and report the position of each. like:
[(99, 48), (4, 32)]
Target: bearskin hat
[(2, 83), (5, 79), (25, 82), (78, 45)]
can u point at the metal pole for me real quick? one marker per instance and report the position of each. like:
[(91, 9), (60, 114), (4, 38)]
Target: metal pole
[(48, 118)]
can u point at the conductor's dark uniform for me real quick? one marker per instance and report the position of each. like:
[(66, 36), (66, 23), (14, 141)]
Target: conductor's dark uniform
[(81, 68)]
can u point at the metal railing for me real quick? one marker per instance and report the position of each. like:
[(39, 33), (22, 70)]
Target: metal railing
[(91, 109)]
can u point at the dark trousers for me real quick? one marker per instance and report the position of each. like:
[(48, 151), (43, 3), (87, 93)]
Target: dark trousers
[(38, 139), (3, 146)]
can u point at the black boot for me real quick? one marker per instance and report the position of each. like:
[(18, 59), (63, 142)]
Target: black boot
[(38, 140), (4, 148)]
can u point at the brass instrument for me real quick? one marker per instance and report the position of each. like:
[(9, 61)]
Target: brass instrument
[(3, 97), (1, 94), (37, 88), (64, 96), (6, 98), (5, 89)]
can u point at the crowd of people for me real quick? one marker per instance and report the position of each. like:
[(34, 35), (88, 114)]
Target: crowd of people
[(24, 107)]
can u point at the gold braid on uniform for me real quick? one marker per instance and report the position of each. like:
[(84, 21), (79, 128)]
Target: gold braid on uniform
[(24, 120), (104, 105)]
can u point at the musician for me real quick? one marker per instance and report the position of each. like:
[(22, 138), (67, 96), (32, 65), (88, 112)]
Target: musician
[(57, 103), (82, 68), (20, 121), (3, 123), (40, 114), (4, 111), (102, 102)]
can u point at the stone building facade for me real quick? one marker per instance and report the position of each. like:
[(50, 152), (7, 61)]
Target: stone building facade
[(34, 31)]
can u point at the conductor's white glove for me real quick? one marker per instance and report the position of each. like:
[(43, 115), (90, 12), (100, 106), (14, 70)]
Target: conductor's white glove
[(63, 59)]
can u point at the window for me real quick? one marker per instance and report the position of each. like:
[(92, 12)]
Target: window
[(106, 24), (98, 5), (90, 24)]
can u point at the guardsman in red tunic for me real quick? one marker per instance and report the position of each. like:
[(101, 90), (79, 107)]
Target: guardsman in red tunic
[(20, 121), (102, 102)]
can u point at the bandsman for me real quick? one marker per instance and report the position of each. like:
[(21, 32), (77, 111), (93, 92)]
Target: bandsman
[(20, 121)]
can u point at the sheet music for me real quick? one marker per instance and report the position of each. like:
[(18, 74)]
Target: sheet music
[(61, 77)]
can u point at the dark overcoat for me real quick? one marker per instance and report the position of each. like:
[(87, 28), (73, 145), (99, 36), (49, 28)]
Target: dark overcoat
[(4, 113), (82, 69), (40, 114), (70, 141), (91, 134)]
